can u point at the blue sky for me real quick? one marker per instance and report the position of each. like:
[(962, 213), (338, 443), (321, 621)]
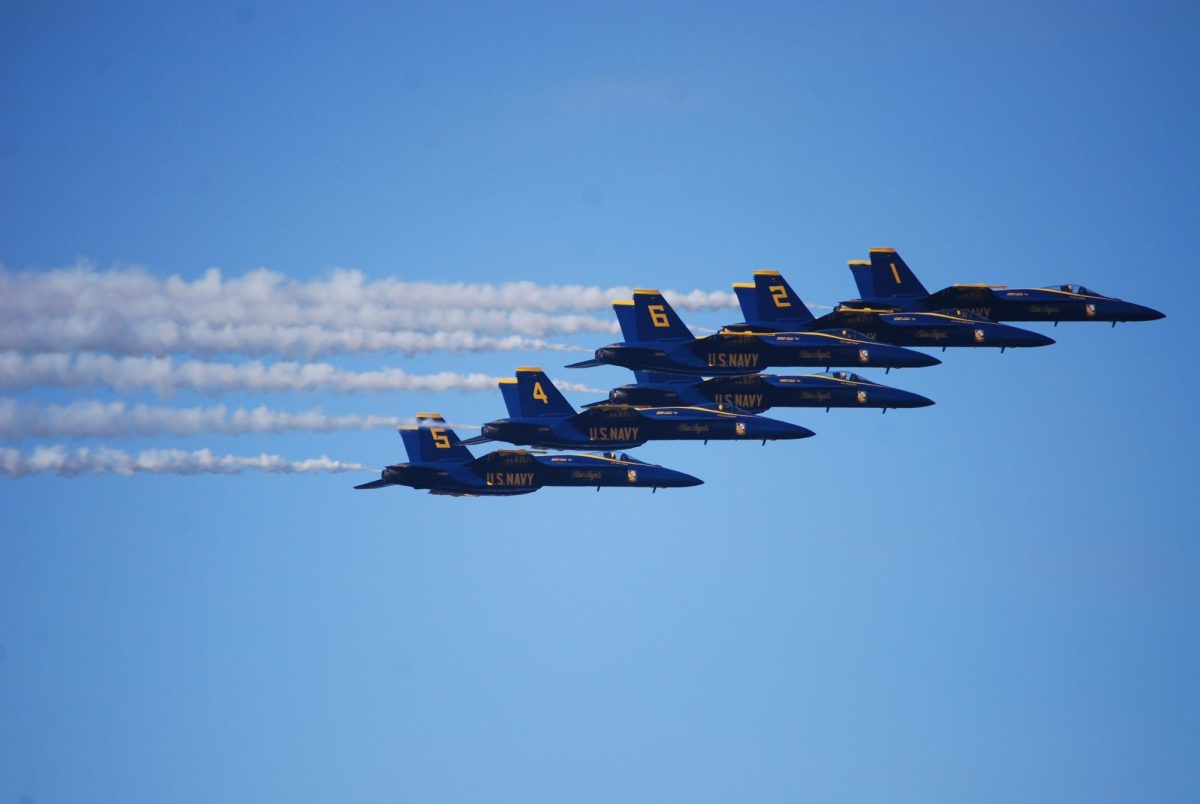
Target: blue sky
[(992, 599)]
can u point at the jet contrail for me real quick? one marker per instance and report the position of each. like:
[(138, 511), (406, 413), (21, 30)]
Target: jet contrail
[(129, 311), (166, 376), (99, 419), (60, 460), (106, 334)]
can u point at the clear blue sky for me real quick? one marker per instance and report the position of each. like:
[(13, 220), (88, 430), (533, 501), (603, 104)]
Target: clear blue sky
[(993, 599)]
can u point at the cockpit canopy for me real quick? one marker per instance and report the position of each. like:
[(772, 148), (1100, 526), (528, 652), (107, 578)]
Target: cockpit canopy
[(848, 376), (1080, 289)]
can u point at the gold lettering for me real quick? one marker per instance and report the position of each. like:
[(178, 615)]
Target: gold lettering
[(779, 296), (509, 479)]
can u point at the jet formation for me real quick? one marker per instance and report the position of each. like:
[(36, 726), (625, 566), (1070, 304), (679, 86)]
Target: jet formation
[(713, 387)]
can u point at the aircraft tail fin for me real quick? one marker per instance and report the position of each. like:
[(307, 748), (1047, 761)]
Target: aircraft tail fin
[(772, 300), (512, 397), (747, 296), (863, 278), (888, 276), (431, 441), (533, 395), (625, 318), (655, 320)]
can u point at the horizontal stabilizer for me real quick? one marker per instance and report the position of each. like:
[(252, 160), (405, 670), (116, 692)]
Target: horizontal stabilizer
[(475, 440), (585, 364), (375, 484)]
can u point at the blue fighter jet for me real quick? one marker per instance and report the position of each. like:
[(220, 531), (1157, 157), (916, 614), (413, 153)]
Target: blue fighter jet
[(886, 282), (440, 464), (657, 340), (769, 303), (540, 416), (755, 393)]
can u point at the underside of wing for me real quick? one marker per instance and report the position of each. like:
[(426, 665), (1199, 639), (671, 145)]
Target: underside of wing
[(375, 484)]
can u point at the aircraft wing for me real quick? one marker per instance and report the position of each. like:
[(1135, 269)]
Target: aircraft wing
[(475, 440), (374, 484)]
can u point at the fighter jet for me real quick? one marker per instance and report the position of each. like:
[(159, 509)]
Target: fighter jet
[(440, 464), (886, 282), (540, 416), (755, 393), (769, 303), (657, 340)]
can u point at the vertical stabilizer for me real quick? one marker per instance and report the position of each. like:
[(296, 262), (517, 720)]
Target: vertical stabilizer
[(889, 276), (625, 318), (655, 320), (536, 396), (431, 441), (776, 302)]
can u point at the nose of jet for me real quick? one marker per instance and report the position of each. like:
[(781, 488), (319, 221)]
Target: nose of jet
[(1026, 338), (777, 430), (1137, 312), (669, 478), (923, 360), (906, 399), (900, 357)]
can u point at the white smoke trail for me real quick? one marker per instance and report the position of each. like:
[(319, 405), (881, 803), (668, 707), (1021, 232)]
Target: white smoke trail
[(60, 460), (129, 311), (165, 376), (97, 419), (101, 333)]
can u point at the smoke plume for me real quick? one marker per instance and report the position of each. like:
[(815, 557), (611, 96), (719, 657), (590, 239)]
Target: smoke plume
[(60, 460)]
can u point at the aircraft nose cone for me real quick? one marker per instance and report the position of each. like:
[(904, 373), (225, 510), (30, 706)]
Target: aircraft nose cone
[(1037, 339), (902, 357), (789, 430), (907, 399), (925, 360), (774, 429), (669, 478), (1141, 313)]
